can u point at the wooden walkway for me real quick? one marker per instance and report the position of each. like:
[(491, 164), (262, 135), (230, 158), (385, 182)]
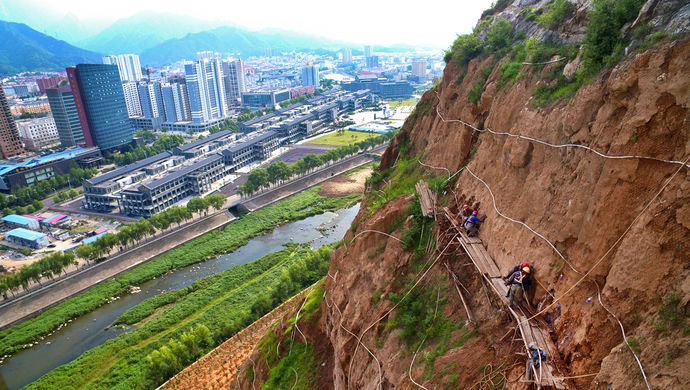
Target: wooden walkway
[(530, 331)]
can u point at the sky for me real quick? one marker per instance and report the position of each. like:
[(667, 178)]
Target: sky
[(383, 22)]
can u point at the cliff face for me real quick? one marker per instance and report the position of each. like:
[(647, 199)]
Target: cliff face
[(623, 222)]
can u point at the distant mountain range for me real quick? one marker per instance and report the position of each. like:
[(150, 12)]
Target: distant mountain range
[(158, 38), (25, 49), (142, 31), (235, 40)]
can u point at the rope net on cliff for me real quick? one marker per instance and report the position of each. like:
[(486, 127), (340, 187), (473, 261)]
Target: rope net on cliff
[(584, 275)]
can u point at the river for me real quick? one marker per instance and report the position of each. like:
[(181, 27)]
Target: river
[(89, 331)]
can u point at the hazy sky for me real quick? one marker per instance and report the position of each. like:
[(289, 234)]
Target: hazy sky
[(363, 21)]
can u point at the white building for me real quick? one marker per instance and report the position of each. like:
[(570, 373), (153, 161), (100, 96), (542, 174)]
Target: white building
[(128, 65), (131, 90), (38, 133), (205, 88), (419, 68), (233, 76)]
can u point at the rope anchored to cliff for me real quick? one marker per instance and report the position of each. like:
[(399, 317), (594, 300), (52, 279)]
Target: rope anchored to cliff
[(556, 146)]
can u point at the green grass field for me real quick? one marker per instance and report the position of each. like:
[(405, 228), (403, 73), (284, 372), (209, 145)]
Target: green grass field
[(406, 102), (348, 137), (222, 302)]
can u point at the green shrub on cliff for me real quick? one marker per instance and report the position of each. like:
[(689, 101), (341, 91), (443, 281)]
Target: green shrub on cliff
[(604, 40)]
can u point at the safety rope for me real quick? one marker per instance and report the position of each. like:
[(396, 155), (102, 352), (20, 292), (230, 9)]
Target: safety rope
[(585, 275), (557, 146)]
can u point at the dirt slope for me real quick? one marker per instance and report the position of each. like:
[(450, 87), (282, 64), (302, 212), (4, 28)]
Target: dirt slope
[(595, 211)]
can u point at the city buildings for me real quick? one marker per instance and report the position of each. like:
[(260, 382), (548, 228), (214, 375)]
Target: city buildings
[(265, 98), (33, 170), (233, 77), (347, 55), (383, 88), (10, 144), (100, 102), (65, 115), (38, 133), (127, 64), (151, 99), (131, 92), (48, 82), (310, 75), (159, 182), (368, 51), (204, 79), (37, 106), (372, 62)]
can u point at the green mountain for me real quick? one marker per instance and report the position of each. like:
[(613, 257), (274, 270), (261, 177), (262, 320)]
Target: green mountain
[(235, 40), (25, 49), (142, 31)]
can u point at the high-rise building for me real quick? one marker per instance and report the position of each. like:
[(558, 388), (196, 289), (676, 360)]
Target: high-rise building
[(151, 99), (48, 82), (38, 133), (65, 115), (10, 143), (101, 105), (176, 103), (233, 76), (372, 62), (128, 66), (310, 75), (204, 79), (131, 91), (347, 55), (419, 68), (368, 51)]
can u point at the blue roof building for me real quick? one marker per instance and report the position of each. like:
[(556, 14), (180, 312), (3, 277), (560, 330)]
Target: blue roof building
[(28, 238), (28, 172), (14, 220)]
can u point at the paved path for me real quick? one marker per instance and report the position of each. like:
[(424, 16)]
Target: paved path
[(39, 300)]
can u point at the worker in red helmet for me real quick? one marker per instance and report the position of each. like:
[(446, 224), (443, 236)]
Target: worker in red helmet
[(527, 281), (466, 212), (516, 288), (472, 224)]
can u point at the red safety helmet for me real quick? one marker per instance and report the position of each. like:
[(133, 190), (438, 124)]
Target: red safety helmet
[(523, 265), (466, 207), (474, 212)]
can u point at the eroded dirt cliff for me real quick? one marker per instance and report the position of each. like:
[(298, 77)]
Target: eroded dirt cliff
[(622, 225)]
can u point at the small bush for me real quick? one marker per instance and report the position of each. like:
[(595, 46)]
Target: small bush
[(558, 11), (464, 49), (500, 36)]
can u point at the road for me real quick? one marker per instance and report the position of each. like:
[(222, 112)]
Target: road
[(51, 294)]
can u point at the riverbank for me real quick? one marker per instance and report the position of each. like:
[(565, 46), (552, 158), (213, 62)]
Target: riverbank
[(210, 245), (223, 303)]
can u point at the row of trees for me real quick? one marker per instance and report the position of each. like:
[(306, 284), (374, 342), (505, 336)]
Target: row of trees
[(135, 232), (24, 196), (128, 235), (179, 353), (225, 124), (161, 144), (30, 208), (246, 115), (278, 172), (303, 273), (49, 266), (295, 100)]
